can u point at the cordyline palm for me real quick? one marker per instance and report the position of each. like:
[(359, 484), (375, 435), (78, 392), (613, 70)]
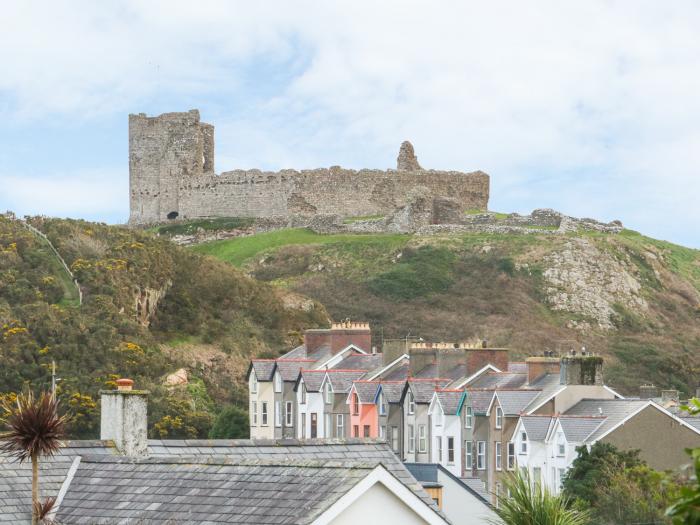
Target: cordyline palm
[(530, 503), (35, 431)]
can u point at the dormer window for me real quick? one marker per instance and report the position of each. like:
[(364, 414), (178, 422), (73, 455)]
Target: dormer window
[(329, 393), (561, 445), (253, 383), (411, 403), (355, 405), (278, 383), (499, 417), (303, 393), (523, 442), (468, 418)]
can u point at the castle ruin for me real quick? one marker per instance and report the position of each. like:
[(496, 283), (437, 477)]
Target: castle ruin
[(171, 176)]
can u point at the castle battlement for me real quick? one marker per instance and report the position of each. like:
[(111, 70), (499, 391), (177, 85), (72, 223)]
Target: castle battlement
[(171, 176)]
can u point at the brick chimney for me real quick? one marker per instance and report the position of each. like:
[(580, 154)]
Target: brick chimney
[(581, 369), (347, 333), (538, 366), (316, 338), (478, 358), (648, 392), (124, 418), (670, 398)]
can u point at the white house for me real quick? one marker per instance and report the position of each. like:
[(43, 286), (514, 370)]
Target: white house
[(446, 429), (310, 404), (530, 449)]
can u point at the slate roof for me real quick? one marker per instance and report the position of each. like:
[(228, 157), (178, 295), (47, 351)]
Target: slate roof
[(614, 411), (477, 486), (366, 390), (479, 400), (427, 475), (321, 353), (577, 429), (341, 380), (536, 427), (392, 390), (313, 379), (361, 362), (693, 421), (16, 478), (495, 380), (263, 369), (398, 373), (513, 402), (549, 385), (183, 491), (423, 390), (296, 353), (517, 367), (289, 368), (450, 400), (427, 372)]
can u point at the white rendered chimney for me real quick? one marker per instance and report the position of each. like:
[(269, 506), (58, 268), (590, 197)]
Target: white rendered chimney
[(124, 418)]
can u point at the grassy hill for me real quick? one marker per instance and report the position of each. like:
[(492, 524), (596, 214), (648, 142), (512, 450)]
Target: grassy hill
[(149, 309), (633, 299)]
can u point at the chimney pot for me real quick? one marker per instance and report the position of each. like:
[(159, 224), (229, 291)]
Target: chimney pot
[(125, 384)]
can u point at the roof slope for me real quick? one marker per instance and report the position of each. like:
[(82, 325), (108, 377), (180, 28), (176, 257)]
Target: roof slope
[(450, 400), (289, 368), (392, 390), (479, 400), (536, 426), (577, 429), (495, 380), (16, 478), (423, 390), (513, 402), (614, 411), (263, 369), (341, 380), (360, 362), (185, 491), (313, 379)]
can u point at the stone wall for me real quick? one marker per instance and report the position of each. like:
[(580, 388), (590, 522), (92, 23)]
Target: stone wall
[(171, 173)]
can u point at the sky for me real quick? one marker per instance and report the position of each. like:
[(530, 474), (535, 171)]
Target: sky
[(591, 108)]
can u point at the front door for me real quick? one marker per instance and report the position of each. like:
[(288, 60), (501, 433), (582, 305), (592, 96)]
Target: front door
[(314, 425)]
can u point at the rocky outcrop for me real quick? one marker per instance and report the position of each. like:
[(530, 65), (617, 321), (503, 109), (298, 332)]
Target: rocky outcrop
[(417, 212), (146, 302), (407, 160), (586, 281)]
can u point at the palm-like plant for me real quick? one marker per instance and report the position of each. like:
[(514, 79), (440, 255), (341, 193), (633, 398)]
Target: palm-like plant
[(35, 431), (530, 503)]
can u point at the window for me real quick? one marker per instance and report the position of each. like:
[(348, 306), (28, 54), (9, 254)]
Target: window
[(499, 417), (365, 431), (523, 442), (450, 450), (498, 494), (327, 426), (355, 405), (278, 383), (561, 444), (278, 414), (411, 439), (288, 414), (481, 455), (438, 449), (329, 393), (356, 431), (264, 414), (411, 403), (422, 439), (469, 460), (339, 425), (253, 384), (562, 475), (380, 402), (537, 474), (468, 418), (438, 418), (254, 411), (511, 456), (303, 393), (303, 425), (497, 449), (395, 438), (382, 432), (314, 425)]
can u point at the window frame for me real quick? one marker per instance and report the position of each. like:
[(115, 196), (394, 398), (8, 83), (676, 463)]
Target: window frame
[(481, 455), (395, 438), (411, 439), (499, 418), (303, 393), (328, 425), (313, 425), (469, 418), (438, 448), (366, 431), (356, 431), (263, 414), (380, 402), (411, 403), (288, 414), (497, 452), (355, 404), (510, 464), (278, 413), (468, 454), (450, 450), (422, 439), (523, 442), (328, 393), (254, 412), (561, 445), (278, 383), (340, 425), (253, 383)]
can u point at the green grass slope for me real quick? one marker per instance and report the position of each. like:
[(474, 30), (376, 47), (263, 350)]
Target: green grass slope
[(207, 317), (494, 286)]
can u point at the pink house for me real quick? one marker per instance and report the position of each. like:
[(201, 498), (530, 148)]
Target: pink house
[(364, 418)]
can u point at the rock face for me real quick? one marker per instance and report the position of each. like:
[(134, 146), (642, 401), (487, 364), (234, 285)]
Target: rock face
[(583, 280), (446, 211), (146, 303), (417, 212), (407, 160), (179, 377)]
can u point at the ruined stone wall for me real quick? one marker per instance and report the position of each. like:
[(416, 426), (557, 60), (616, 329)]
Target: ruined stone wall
[(171, 166)]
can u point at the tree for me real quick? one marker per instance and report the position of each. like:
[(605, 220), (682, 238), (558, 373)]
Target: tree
[(35, 431), (231, 423), (686, 509), (591, 469), (530, 503)]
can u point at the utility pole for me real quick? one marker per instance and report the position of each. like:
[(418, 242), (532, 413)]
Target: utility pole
[(53, 377)]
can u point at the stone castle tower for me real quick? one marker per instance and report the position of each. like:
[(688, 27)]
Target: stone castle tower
[(171, 176)]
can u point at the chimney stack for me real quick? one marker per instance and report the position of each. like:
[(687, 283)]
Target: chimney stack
[(124, 418), (670, 398), (581, 369), (540, 365), (648, 392)]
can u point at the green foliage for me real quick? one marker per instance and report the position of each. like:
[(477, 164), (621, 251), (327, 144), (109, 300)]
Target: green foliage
[(686, 509), (191, 227), (420, 272), (239, 250), (231, 423), (531, 503)]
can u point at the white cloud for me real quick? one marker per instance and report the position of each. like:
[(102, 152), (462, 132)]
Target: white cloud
[(590, 107)]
